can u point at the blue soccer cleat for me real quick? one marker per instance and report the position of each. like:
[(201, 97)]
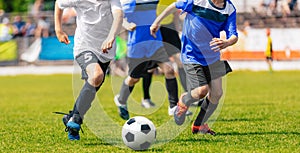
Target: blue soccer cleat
[(73, 130), (73, 126), (122, 109)]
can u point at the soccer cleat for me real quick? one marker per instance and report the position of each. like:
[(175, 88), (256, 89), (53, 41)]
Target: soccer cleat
[(72, 124), (172, 110), (73, 127), (204, 129), (147, 103), (180, 111), (73, 130), (122, 109), (66, 118)]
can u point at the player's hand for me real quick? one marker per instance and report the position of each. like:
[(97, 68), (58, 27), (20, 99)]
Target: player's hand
[(107, 44), (153, 29), (218, 44), (63, 37), (131, 26)]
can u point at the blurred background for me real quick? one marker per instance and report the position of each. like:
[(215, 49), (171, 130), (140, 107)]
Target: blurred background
[(27, 34)]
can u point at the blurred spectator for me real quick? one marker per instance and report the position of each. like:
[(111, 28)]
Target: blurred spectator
[(269, 50), (268, 6), (5, 30), (30, 27), (246, 27), (292, 4), (43, 26), (285, 9), (2, 15), (37, 8), (18, 26)]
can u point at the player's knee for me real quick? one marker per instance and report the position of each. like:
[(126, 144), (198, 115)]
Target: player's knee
[(132, 81), (169, 72), (203, 91), (96, 79)]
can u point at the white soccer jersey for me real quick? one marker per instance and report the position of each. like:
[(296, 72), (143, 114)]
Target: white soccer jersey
[(94, 20)]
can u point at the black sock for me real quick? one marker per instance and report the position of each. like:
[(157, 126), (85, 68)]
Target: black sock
[(207, 109), (147, 78), (124, 93), (188, 99), (84, 100), (182, 77), (172, 88)]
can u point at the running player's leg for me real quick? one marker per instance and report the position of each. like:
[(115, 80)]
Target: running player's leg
[(171, 83), (172, 45), (136, 68), (197, 89), (211, 101), (210, 104), (121, 99), (147, 79), (93, 72), (208, 107)]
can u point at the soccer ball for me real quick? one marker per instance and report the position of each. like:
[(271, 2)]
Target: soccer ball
[(138, 133)]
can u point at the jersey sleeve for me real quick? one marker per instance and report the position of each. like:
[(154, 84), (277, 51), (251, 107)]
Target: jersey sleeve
[(62, 4), (115, 5), (185, 5), (230, 27)]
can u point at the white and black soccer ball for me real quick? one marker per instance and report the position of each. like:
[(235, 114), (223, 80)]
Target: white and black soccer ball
[(138, 133)]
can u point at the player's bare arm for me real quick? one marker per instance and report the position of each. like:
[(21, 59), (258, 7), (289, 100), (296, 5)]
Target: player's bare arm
[(177, 21), (60, 34), (130, 26), (114, 31), (218, 44), (155, 25)]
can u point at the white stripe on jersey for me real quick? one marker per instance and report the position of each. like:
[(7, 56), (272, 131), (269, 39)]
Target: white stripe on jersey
[(229, 9)]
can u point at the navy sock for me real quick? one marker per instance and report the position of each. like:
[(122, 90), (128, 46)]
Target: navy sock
[(124, 93), (147, 78), (207, 109), (84, 100), (172, 88)]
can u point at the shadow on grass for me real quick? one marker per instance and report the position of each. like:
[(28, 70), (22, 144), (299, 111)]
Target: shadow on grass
[(259, 133), (96, 142), (240, 119), (99, 142), (197, 138), (252, 104)]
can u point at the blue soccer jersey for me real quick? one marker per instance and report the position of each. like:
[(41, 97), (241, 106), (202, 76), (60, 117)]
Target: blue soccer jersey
[(140, 43), (204, 21)]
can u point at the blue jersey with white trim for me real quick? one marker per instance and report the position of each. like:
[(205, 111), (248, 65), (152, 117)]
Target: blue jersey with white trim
[(140, 42), (204, 21)]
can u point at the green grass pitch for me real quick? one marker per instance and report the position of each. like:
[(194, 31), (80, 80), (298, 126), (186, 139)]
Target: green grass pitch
[(260, 113)]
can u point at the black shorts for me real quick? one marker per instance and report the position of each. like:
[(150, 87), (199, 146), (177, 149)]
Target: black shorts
[(87, 57), (197, 75), (171, 39), (139, 66)]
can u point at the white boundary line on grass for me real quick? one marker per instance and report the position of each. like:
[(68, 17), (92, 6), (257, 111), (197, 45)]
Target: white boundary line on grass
[(69, 69)]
